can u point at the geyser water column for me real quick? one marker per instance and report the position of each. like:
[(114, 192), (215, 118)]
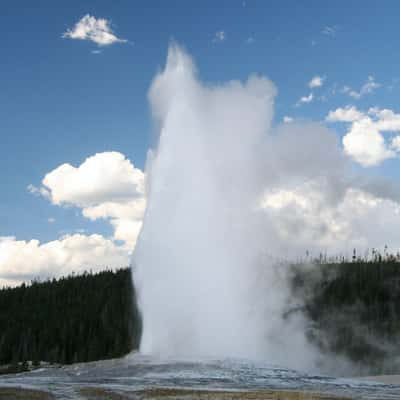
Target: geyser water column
[(196, 254)]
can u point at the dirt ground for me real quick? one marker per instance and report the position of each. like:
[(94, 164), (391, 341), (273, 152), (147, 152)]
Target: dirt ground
[(167, 394)]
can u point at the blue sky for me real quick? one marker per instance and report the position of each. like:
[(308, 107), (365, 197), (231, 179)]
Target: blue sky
[(63, 100)]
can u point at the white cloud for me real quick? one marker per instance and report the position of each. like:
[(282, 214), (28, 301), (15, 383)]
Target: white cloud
[(305, 206), (368, 87), (305, 217), (395, 143), (104, 177), (51, 220), (364, 140), (219, 36), (386, 120), (97, 30), (127, 231), (22, 260), (131, 209), (104, 186), (316, 81), (305, 99), (347, 114), (287, 119), (365, 143)]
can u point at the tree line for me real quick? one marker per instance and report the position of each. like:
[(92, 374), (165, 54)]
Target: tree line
[(352, 308), (73, 319)]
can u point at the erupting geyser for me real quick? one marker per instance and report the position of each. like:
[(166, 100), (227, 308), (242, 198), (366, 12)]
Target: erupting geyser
[(199, 287)]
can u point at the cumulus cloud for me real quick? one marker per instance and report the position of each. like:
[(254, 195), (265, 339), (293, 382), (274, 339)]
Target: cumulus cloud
[(368, 87), (313, 201), (107, 176), (97, 30), (316, 81), (105, 186), (395, 143), (364, 141), (347, 114), (303, 216), (22, 260), (127, 231)]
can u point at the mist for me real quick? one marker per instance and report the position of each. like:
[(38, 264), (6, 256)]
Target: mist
[(225, 193)]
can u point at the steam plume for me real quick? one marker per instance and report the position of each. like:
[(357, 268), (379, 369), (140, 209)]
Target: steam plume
[(201, 291)]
